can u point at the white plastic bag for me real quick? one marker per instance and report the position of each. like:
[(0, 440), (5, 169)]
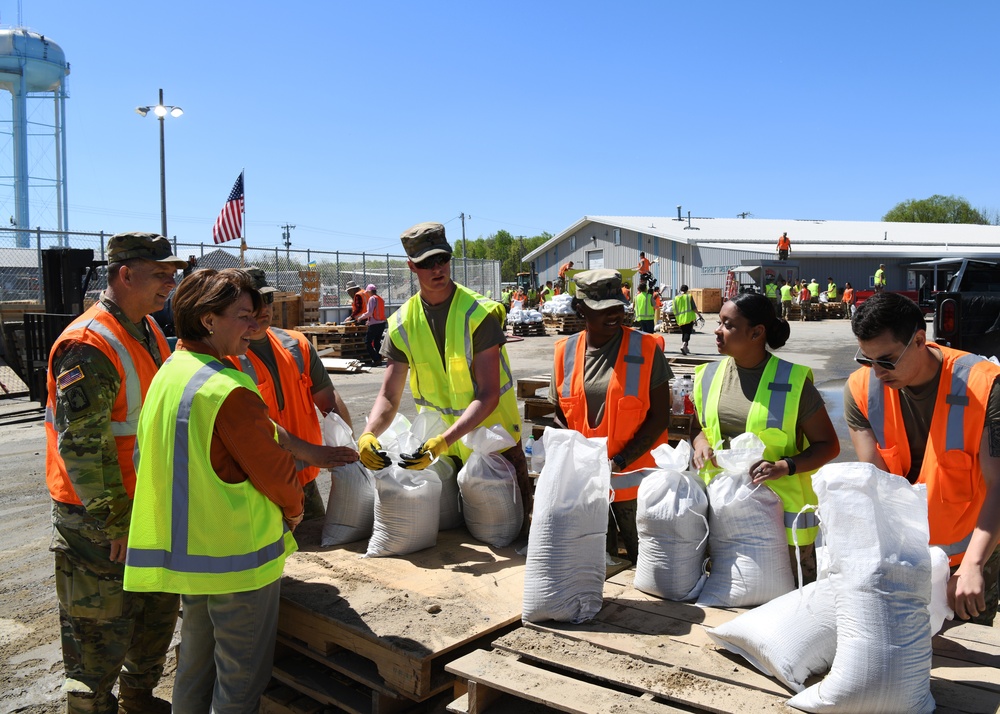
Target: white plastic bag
[(672, 521), (350, 511), (747, 541), (491, 499), (876, 529), (564, 572)]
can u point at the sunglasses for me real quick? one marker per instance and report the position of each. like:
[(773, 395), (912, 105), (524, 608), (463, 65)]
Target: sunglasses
[(268, 298), (434, 261), (883, 363)]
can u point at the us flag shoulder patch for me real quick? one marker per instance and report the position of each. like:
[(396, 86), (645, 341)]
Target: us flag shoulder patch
[(69, 377)]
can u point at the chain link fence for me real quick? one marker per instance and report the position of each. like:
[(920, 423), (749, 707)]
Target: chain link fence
[(21, 267)]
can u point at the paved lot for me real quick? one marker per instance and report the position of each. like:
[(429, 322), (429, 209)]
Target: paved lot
[(30, 665)]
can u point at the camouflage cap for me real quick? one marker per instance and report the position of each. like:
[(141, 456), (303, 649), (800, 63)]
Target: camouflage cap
[(600, 289), (148, 246), (424, 240), (260, 281)]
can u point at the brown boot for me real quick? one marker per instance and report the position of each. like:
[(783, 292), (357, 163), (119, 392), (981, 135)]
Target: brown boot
[(140, 701)]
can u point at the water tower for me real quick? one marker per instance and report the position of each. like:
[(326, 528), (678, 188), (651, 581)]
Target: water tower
[(34, 67)]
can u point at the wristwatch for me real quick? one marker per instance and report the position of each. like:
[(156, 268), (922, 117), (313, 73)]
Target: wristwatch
[(791, 464), (619, 461)]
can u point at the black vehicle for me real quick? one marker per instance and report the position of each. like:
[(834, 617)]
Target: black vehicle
[(967, 315)]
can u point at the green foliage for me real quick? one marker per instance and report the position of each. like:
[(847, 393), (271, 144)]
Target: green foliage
[(506, 248), (936, 209)]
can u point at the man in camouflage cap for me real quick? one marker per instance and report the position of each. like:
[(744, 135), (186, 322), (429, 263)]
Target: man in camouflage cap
[(99, 369), (468, 393)]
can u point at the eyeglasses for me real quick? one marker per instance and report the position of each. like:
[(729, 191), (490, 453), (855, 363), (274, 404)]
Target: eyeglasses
[(268, 298), (434, 261), (883, 363)]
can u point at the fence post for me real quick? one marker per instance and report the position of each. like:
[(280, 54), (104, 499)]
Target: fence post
[(388, 280), (277, 273), (41, 276), (364, 270), (337, 254)]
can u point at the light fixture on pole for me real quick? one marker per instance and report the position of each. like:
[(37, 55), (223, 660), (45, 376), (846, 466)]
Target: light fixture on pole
[(161, 110)]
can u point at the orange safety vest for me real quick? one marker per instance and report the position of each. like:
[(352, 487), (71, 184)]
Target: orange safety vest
[(849, 296), (627, 401), (299, 417), (784, 243), (951, 468), (359, 304), (379, 313), (136, 368)]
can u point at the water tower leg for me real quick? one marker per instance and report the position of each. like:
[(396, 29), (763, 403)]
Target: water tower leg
[(20, 117)]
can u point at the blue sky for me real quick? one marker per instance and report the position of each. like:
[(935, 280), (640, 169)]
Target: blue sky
[(355, 120)]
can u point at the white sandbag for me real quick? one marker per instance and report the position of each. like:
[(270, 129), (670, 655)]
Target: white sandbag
[(451, 500), (491, 500), (789, 638), (746, 526), (407, 503), (940, 575), (350, 510), (672, 520), (880, 569), (564, 572)]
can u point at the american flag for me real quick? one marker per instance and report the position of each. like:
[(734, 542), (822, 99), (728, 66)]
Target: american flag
[(229, 224)]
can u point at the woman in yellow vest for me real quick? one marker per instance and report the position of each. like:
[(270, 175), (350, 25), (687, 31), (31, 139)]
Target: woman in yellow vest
[(614, 382), (751, 390), (216, 498)]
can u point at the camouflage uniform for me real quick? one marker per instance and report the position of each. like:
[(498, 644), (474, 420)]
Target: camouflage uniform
[(106, 633)]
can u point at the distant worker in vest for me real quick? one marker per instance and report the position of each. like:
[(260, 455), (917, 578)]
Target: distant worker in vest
[(657, 301), (614, 382), (786, 300), (880, 281), (546, 293), (626, 292), (563, 269), (804, 298), (216, 498), (100, 369), (293, 383), (359, 302), (831, 290), (645, 310), (435, 332), (931, 414), (685, 312), (771, 293), (784, 246), (849, 301), (813, 290), (644, 269), (375, 319), (804, 441)]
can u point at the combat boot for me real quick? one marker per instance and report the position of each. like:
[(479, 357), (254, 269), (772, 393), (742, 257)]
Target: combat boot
[(140, 701)]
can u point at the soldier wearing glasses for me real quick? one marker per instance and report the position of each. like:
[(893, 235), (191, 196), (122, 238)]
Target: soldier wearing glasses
[(931, 414), (430, 338)]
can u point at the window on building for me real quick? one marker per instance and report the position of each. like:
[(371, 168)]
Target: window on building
[(572, 243), (618, 236)]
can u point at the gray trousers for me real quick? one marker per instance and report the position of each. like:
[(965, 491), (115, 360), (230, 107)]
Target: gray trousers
[(227, 651)]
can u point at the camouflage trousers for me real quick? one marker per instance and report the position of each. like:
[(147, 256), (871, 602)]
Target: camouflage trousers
[(991, 574), (314, 507), (106, 633)]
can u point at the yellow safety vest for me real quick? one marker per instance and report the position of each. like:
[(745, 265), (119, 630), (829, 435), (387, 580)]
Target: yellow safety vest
[(831, 291), (786, 293), (684, 309), (770, 290), (176, 543), (449, 391), (644, 307), (813, 289), (773, 417)]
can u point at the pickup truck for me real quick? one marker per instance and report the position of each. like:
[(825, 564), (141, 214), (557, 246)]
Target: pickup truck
[(967, 314)]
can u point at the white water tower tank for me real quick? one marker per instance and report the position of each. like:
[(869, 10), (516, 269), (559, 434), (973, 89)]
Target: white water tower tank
[(34, 67)]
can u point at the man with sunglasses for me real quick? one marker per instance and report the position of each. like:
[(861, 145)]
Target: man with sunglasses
[(449, 340), (293, 383), (932, 414)]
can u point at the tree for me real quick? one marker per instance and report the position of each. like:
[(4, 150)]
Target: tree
[(936, 209), (506, 248)]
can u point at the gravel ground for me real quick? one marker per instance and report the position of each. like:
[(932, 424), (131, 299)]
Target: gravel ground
[(30, 658)]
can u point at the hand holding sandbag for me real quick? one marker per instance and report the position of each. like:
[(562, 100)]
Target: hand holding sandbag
[(371, 453)]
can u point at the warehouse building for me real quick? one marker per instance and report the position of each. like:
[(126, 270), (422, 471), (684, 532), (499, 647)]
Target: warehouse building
[(702, 252)]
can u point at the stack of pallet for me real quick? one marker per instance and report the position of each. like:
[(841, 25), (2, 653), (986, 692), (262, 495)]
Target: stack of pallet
[(528, 329), (668, 323), (834, 310), (287, 310), (310, 296), (812, 312), (538, 411), (563, 324), (339, 341)]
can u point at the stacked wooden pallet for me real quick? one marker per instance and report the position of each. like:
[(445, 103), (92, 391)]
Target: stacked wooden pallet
[(310, 296), (834, 310), (341, 341), (668, 323), (538, 411), (564, 324), (642, 654), (287, 310), (812, 312), (528, 329)]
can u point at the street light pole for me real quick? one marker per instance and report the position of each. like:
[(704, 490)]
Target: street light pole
[(160, 110)]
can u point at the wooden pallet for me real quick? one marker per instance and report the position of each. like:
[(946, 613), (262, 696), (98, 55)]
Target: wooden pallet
[(528, 329), (563, 324), (331, 330), (668, 323), (353, 350), (534, 408), (389, 625), (642, 654), (681, 365), (529, 386), (812, 314)]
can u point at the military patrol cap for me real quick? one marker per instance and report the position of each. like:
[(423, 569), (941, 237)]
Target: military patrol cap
[(148, 246), (600, 289), (424, 240), (260, 281)]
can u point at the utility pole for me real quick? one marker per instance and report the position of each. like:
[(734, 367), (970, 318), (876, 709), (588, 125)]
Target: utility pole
[(286, 234), (465, 252)]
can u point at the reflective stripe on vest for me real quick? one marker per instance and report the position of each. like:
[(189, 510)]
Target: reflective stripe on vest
[(177, 558), (291, 345), (633, 362), (684, 309), (133, 390), (246, 366), (629, 479)]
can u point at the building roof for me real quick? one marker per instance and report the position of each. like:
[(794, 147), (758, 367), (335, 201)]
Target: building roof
[(808, 237)]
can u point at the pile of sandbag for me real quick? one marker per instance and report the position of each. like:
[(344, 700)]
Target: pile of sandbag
[(558, 305), (350, 511), (521, 316), (491, 499), (870, 621), (565, 568)]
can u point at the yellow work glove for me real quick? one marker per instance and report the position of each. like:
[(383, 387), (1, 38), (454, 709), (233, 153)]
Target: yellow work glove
[(371, 454), (425, 455)]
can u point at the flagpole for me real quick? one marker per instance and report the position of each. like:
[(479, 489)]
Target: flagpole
[(243, 237)]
